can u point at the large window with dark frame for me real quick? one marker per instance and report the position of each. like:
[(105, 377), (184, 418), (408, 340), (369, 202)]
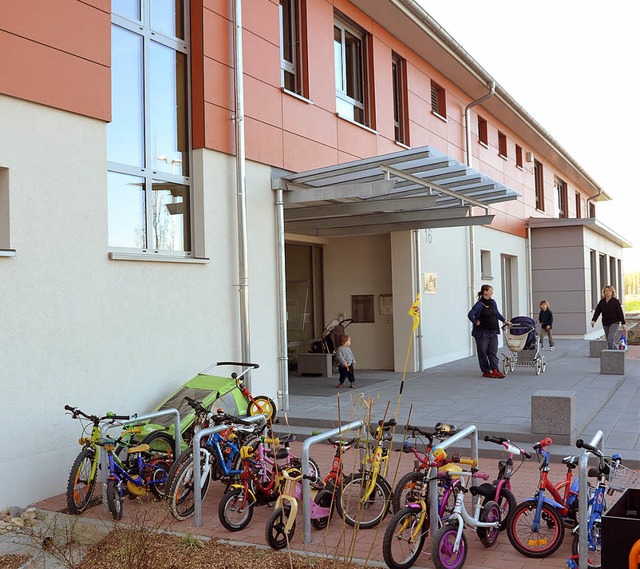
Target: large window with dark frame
[(148, 140), (560, 197), (400, 117), (538, 172), (350, 49), (293, 46)]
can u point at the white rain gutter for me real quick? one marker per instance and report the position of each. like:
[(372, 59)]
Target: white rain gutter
[(283, 376), (241, 184)]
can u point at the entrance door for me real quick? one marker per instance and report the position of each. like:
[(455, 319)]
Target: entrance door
[(508, 290)]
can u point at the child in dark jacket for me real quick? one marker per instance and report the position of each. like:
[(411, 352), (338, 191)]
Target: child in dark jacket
[(546, 323)]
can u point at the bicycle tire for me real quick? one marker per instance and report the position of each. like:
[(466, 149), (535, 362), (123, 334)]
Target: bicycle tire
[(323, 499), (263, 405), (398, 550), (228, 510), (181, 493), (161, 444), (158, 480), (443, 556), (490, 513), (275, 531), (350, 505), (535, 544), (507, 503), (314, 469), (81, 485), (114, 499), (408, 483), (594, 556)]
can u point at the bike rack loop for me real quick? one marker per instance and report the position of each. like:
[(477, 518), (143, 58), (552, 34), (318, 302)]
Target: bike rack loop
[(197, 498), (306, 489), (104, 465), (583, 499), (472, 432)]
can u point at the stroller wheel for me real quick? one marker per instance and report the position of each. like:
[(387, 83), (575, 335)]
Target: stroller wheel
[(505, 366), (544, 364), (538, 367)]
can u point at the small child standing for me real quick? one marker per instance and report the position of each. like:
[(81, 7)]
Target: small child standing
[(346, 359), (546, 323)]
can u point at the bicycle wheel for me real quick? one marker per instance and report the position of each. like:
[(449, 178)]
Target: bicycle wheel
[(314, 469), (443, 556), (161, 444), (323, 499), (354, 509), (181, 494), (490, 513), (114, 499), (594, 557), (262, 405), (540, 543), (507, 503), (407, 484), (275, 530), (81, 483), (157, 478), (399, 548), (232, 513)]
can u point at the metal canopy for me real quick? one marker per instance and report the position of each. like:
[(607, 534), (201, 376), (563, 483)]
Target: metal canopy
[(413, 189)]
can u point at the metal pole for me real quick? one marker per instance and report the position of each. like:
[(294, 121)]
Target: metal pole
[(283, 391), (583, 499)]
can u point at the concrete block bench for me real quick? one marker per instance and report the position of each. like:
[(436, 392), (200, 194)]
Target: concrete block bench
[(554, 413), (315, 364), (612, 362), (595, 347)]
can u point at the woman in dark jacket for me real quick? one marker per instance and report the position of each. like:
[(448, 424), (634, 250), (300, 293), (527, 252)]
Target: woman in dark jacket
[(612, 315), (485, 316)]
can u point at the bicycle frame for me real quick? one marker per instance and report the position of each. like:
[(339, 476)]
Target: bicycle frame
[(376, 464), (292, 494)]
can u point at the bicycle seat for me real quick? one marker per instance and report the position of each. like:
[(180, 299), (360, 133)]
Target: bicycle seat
[(485, 490), (570, 461), (139, 448)]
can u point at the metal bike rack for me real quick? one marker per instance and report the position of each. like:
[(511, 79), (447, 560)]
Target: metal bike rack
[(306, 490), (197, 499), (104, 464), (583, 498), (472, 432)]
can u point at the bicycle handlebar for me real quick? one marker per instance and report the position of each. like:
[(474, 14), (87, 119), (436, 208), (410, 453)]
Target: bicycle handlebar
[(75, 411), (340, 442), (507, 444), (241, 364), (543, 444)]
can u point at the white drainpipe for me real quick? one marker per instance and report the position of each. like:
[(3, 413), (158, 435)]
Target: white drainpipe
[(241, 183), (283, 379)]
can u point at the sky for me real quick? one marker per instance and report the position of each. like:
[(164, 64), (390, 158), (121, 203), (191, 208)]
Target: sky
[(574, 66)]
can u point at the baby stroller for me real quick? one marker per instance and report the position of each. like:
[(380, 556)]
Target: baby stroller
[(331, 338), (524, 346)]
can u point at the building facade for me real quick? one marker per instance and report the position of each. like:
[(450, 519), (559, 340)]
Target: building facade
[(176, 189)]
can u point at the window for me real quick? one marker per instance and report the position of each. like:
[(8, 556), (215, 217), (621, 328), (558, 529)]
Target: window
[(592, 210), (293, 46), (613, 279), (5, 218), (539, 182), (148, 152), (560, 197), (604, 281), (485, 265), (351, 68), (483, 136), (502, 144), (400, 118), (578, 206), (438, 100), (519, 162), (595, 296), (362, 308)]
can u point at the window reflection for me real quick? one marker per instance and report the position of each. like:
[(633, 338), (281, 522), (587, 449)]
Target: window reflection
[(170, 217), (126, 8), (126, 211), (168, 97), (167, 17)]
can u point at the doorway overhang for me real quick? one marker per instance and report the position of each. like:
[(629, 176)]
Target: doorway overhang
[(417, 188)]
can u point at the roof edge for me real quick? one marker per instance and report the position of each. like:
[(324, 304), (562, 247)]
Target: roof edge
[(589, 222)]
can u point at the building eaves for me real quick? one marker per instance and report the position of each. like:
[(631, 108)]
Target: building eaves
[(589, 222)]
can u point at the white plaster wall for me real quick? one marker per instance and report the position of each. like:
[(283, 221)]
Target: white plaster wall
[(106, 335), (354, 266)]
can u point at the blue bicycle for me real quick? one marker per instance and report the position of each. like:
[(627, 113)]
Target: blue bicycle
[(597, 505)]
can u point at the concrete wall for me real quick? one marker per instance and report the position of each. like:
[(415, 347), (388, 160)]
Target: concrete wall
[(80, 329)]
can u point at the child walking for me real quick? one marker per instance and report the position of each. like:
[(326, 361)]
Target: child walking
[(346, 359), (546, 323)]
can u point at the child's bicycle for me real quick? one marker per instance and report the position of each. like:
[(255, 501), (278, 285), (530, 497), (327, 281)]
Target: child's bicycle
[(536, 527), (503, 495), (366, 495), (281, 525), (258, 405), (84, 472)]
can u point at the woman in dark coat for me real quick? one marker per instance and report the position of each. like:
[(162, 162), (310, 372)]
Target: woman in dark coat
[(612, 315)]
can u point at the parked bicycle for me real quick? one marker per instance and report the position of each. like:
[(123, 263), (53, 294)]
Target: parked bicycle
[(84, 472), (536, 527), (503, 494)]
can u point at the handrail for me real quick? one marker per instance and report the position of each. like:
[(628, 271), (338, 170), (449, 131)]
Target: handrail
[(470, 431), (583, 500), (306, 490), (104, 464), (197, 498)]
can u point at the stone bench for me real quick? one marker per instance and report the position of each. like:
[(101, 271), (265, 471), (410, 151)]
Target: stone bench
[(315, 364), (595, 347), (612, 362), (554, 413)]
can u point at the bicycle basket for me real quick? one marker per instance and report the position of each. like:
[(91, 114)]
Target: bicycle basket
[(622, 478)]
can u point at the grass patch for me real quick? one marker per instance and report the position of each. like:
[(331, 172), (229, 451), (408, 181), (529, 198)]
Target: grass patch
[(632, 305)]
